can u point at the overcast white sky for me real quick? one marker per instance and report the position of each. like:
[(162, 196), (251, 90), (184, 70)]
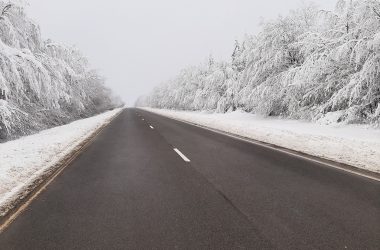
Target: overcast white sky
[(141, 43)]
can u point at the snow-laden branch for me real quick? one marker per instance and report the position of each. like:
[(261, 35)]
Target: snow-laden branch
[(41, 75), (304, 65)]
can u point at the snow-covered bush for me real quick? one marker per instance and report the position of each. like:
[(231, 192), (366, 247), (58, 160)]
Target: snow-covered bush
[(305, 65), (47, 84)]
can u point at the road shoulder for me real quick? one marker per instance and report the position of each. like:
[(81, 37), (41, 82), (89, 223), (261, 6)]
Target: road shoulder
[(297, 153), (19, 197)]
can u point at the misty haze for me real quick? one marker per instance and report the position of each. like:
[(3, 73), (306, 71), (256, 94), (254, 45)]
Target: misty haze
[(189, 124)]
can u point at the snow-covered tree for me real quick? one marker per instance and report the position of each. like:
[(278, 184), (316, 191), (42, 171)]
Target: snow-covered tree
[(47, 84), (304, 65)]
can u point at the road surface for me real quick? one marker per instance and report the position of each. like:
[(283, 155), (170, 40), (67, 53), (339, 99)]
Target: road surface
[(150, 182)]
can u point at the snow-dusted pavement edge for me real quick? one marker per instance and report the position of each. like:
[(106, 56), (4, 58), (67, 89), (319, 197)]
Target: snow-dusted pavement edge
[(27, 162), (353, 145)]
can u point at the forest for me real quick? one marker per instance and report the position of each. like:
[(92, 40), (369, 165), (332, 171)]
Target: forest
[(42, 83), (307, 65)]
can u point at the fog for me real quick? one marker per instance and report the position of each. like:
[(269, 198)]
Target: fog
[(138, 44)]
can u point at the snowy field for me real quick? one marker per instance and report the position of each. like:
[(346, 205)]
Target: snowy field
[(25, 161), (355, 145)]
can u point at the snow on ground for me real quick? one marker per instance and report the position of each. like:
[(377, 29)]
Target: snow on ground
[(26, 160), (355, 145)]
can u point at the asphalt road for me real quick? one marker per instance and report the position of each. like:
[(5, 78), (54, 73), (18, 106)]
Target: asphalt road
[(131, 190)]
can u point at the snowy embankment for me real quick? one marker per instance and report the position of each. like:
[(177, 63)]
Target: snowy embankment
[(24, 163), (355, 145)]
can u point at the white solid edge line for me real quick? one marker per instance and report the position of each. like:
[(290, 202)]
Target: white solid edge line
[(182, 155), (287, 152), (274, 148), (151, 127), (301, 156)]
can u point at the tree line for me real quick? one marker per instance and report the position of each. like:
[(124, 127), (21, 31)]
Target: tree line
[(306, 65), (46, 84)]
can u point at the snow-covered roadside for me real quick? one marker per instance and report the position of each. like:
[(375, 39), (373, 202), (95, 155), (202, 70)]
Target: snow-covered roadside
[(355, 145), (25, 161)]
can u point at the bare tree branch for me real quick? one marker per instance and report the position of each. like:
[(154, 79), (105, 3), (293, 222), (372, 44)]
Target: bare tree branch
[(376, 12), (6, 9)]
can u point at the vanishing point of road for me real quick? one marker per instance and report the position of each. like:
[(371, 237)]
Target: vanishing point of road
[(150, 182)]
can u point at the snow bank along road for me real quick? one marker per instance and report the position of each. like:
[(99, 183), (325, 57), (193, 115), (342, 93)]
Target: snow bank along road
[(355, 145), (151, 182), (27, 162)]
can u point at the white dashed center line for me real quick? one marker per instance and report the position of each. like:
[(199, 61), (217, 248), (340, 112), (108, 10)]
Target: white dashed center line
[(182, 155)]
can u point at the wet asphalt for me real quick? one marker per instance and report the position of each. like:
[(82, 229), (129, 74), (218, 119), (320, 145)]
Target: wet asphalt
[(131, 190)]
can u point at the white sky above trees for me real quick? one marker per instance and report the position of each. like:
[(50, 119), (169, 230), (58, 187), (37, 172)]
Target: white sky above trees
[(138, 44)]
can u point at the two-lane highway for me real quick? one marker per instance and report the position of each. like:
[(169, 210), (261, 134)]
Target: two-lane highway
[(150, 182)]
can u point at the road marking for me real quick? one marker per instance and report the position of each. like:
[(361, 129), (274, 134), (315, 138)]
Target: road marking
[(182, 155), (274, 147), (286, 151), (151, 126), (143, 119)]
